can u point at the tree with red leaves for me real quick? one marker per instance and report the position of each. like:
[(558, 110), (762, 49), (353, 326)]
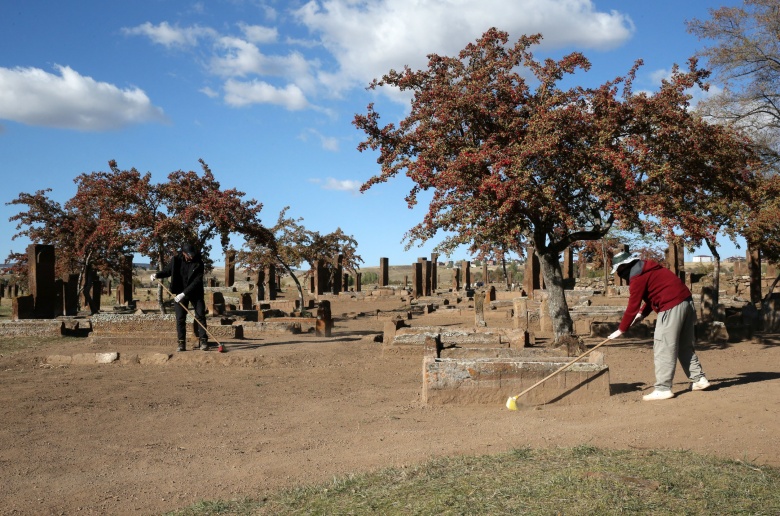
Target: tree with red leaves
[(120, 212), (521, 160)]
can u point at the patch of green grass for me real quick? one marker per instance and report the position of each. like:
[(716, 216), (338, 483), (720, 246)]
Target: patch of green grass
[(581, 480), (11, 345)]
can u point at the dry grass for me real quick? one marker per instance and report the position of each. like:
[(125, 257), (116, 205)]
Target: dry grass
[(582, 480)]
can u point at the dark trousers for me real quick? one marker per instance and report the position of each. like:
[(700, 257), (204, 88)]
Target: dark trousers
[(198, 308)]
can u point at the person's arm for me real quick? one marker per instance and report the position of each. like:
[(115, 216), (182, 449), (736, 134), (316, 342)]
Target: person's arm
[(636, 293)]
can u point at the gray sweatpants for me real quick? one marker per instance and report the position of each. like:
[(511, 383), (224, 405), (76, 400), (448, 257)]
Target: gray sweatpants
[(674, 337)]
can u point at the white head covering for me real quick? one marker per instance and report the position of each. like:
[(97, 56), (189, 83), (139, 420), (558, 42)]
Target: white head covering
[(623, 258)]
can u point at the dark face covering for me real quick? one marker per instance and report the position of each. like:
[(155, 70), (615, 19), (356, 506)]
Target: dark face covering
[(630, 269)]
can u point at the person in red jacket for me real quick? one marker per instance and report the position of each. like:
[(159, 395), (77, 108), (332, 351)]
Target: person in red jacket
[(662, 292)]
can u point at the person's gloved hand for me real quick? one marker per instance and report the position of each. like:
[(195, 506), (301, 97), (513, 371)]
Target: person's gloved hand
[(637, 319), (178, 298), (615, 334), (153, 277)]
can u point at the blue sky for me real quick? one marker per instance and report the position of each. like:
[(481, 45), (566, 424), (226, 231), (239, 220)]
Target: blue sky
[(265, 91)]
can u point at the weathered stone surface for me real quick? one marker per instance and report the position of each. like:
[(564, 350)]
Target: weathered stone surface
[(493, 380), (32, 328), (94, 358), (257, 329)]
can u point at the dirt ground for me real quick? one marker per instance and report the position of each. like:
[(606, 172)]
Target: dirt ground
[(145, 439)]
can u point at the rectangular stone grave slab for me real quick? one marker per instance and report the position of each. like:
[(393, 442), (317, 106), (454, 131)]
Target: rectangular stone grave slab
[(493, 380), (32, 328)]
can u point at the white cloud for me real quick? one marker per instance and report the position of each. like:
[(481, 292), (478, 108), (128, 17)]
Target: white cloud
[(240, 93), (364, 39), (209, 92), (341, 185), (71, 101), (370, 37), (169, 36), (258, 33), (328, 143)]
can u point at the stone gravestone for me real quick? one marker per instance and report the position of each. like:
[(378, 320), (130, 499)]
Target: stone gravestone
[(532, 272), (417, 280), (384, 272), (269, 283), (466, 274), (324, 324), (434, 271), (479, 310), (72, 295), (124, 291), (230, 268), (40, 273), (217, 303)]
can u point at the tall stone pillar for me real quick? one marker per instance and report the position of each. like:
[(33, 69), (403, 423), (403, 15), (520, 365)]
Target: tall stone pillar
[(260, 282), (434, 271), (40, 274), (230, 268), (485, 276), (426, 275), (675, 257), (338, 274), (568, 264), (358, 281), (269, 282), (125, 288), (384, 272), (455, 279), (72, 295), (417, 280), (466, 274), (321, 278), (532, 271), (59, 297)]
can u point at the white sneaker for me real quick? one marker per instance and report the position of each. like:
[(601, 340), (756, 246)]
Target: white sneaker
[(658, 395), (700, 384)]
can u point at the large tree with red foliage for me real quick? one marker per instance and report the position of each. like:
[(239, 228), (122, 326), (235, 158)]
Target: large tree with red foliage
[(508, 155)]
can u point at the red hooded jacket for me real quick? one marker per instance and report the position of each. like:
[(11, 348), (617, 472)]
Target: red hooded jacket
[(658, 287)]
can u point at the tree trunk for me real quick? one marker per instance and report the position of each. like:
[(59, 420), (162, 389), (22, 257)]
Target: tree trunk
[(506, 276), (295, 279), (559, 309), (606, 270), (715, 280)]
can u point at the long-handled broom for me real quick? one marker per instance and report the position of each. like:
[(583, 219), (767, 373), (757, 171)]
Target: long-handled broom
[(511, 403), (220, 346)]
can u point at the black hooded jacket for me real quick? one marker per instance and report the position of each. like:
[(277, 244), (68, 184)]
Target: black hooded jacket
[(186, 277)]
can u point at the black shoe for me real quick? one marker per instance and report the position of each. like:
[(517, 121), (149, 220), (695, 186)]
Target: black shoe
[(205, 347), (181, 347)]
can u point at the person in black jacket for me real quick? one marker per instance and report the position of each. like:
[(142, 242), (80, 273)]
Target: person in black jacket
[(186, 272)]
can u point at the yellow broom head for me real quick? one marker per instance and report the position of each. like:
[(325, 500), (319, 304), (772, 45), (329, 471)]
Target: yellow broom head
[(511, 403)]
